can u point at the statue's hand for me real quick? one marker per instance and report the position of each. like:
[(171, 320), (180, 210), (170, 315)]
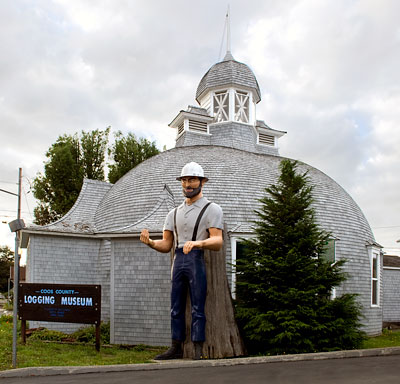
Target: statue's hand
[(145, 237), (189, 245)]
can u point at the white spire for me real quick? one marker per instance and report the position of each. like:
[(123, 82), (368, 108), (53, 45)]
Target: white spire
[(227, 30)]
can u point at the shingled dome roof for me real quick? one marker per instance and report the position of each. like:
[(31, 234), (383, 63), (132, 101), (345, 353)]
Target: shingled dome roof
[(142, 198), (228, 72)]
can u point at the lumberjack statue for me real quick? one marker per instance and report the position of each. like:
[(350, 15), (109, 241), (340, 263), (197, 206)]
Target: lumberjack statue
[(193, 226)]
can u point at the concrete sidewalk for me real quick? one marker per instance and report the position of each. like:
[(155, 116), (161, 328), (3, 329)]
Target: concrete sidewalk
[(175, 364)]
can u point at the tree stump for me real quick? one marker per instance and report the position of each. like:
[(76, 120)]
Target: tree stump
[(222, 333)]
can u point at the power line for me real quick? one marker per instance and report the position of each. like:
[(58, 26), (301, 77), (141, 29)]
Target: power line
[(10, 193), (10, 210), (28, 179), (26, 200)]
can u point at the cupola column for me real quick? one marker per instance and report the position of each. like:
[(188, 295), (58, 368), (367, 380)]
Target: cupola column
[(231, 93), (252, 110)]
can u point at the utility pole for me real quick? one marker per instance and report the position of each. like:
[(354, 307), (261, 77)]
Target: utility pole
[(16, 275), (16, 226)]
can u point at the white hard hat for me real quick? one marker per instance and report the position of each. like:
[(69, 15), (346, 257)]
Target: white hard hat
[(192, 169)]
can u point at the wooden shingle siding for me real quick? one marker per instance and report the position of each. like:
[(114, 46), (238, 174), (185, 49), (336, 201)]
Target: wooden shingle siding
[(141, 286), (68, 260), (237, 179), (228, 134), (227, 73), (97, 241), (391, 290)]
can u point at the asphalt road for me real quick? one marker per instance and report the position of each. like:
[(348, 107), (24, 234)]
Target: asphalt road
[(365, 370)]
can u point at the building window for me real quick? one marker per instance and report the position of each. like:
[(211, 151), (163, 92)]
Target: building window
[(198, 126), (375, 279), (221, 106), (181, 128), (374, 253), (329, 251), (329, 254), (265, 139), (238, 253), (241, 106)]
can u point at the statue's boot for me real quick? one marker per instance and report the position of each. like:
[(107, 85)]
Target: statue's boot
[(198, 350), (174, 352)]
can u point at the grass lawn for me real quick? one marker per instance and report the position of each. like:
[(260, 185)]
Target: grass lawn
[(387, 339), (40, 353)]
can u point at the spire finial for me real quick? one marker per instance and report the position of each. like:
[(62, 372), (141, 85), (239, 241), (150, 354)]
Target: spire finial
[(227, 30)]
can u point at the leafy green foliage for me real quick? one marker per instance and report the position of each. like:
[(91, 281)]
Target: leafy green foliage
[(70, 159), (6, 319), (127, 152), (82, 335), (48, 334), (88, 334), (6, 261), (284, 283)]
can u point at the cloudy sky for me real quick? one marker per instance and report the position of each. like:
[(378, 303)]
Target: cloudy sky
[(328, 72)]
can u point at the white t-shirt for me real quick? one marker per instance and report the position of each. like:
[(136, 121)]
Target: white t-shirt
[(186, 217)]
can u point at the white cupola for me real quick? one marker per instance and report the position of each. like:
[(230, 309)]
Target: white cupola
[(226, 116), (229, 91)]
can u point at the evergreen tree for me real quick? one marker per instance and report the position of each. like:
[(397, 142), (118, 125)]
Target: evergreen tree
[(284, 282)]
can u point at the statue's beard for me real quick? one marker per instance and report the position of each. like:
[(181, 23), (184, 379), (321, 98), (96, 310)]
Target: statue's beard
[(192, 193)]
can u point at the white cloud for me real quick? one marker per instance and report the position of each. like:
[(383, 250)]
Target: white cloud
[(328, 72)]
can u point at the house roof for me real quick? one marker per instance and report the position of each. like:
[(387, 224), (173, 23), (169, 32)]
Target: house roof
[(237, 180), (80, 218), (227, 73), (391, 261), (238, 175)]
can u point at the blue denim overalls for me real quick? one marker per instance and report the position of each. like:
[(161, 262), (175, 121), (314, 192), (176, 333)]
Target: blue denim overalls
[(189, 271)]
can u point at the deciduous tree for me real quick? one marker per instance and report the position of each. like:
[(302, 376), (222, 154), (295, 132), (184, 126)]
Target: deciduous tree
[(127, 152), (70, 159), (6, 261)]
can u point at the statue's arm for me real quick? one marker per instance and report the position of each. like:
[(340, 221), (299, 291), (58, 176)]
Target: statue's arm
[(213, 243), (164, 245)]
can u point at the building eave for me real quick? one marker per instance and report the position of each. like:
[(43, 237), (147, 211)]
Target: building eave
[(261, 126), (96, 236), (189, 115)]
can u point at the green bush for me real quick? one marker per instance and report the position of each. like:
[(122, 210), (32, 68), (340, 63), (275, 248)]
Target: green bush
[(88, 334), (48, 334), (6, 319), (82, 335)]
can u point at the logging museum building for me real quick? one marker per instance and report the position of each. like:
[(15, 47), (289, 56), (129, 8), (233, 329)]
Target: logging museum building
[(97, 241)]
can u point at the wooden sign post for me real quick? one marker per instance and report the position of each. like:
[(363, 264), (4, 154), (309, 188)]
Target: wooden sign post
[(66, 303)]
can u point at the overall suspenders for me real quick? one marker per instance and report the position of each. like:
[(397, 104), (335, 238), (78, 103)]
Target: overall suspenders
[(196, 226)]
